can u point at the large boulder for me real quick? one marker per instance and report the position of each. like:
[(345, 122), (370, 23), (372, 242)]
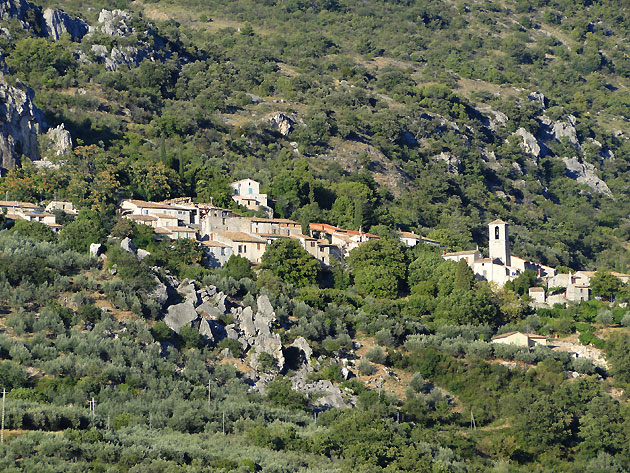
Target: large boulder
[(282, 122), (56, 23), (305, 350), (247, 322), (209, 311), (95, 249), (20, 123), (270, 344), (127, 245), (179, 315), (159, 292), (187, 290)]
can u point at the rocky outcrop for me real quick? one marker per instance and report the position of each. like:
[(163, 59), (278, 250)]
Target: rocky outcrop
[(57, 23), (95, 249), (127, 245), (539, 98), (61, 140), (330, 396), (530, 143), (159, 292), (584, 173), (565, 130), (282, 122), (20, 123), (453, 164), (270, 344), (180, 315), (305, 350), (115, 22)]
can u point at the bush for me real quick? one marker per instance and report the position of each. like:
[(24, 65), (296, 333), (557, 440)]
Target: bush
[(235, 347), (376, 355), (190, 336), (384, 337), (266, 362), (418, 383), (365, 367), (160, 331)]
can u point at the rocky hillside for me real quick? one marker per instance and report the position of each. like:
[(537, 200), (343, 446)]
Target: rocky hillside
[(446, 118)]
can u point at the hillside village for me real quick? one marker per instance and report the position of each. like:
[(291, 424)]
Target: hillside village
[(223, 232)]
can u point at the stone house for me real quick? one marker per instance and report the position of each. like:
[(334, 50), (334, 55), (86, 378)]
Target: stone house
[(244, 244), (64, 206), (216, 253), (537, 295), (186, 215), (246, 192), (411, 239)]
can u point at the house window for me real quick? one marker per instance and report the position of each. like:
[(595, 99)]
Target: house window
[(507, 272), (312, 244), (251, 191), (222, 251), (258, 246), (496, 233)]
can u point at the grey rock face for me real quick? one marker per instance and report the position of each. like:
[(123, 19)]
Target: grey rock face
[(584, 173), (115, 22), (187, 290), (247, 322), (100, 50), (209, 311), (539, 98), (282, 122), (160, 292), (61, 139), (566, 130), (142, 254), (20, 123), (305, 349), (95, 249), (205, 331), (179, 315), (271, 345), (530, 143), (57, 22), (125, 56), (127, 245), (333, 397)]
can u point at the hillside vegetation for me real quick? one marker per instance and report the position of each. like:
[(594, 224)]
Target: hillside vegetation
[(432, 116)]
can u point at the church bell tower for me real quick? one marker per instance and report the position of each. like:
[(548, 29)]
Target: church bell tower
[(499, 242)]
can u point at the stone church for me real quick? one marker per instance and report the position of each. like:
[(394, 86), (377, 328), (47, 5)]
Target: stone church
[(500, 266)]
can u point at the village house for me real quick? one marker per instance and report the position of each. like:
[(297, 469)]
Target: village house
[(14, 206), (246, 192), (348, 240), (411, 239), (216, 253), (186, 215), (64, 206), (243, 244), (537, 295), (520, 339)]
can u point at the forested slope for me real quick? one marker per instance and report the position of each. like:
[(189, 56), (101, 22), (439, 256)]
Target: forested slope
[(403, 113)]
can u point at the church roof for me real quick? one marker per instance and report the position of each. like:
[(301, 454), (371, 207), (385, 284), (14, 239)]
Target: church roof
[(498, 222)]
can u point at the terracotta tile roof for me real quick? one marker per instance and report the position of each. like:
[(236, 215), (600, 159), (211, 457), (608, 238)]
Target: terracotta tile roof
[(214, 243), (459, 253), (142, 218), (154, 205), (498, 222)]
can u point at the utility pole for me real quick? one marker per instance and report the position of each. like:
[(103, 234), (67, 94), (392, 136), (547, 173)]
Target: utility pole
[(4, 396), (208, 393), (223, 422), (473, 425)]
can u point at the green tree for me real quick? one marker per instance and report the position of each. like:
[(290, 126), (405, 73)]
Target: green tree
[(618, 355), (602, 427), (190, 336), (35, 230), (605, 285), (287, 259), (238, 267), (86, 229), (379, 267), (464, 277)]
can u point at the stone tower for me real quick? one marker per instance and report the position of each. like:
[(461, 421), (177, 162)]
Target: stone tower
[(499, 242)]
